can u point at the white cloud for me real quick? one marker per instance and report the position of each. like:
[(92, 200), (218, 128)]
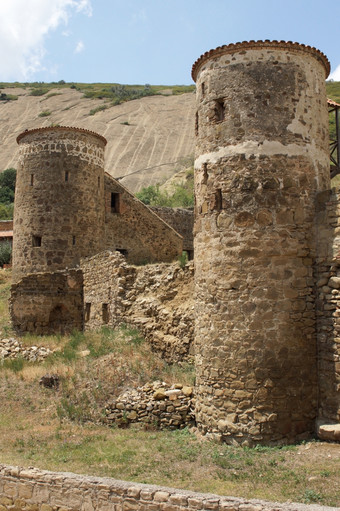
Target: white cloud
[(24, 25), (80, 47), (335, 75)]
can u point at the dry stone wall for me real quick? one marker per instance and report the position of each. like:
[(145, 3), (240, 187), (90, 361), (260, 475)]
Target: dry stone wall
[(44, 303), (261, 157), (37, 490), (155, 405), (135, 230), (157, 299)]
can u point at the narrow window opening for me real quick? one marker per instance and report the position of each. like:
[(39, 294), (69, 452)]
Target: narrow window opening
[(36, 241), (115, 202), (98, 181), (66, 175), (87, 311), (203, 89), (196, 124), (32, 179), (105, 312), (218, 199), (219, 110), (190, 255), (122, 251), (73, 240), (205, 174)]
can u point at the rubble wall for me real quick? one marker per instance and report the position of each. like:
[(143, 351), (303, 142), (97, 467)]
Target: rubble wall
[(328, 306), (156, 298), (46, 303), (37, 490)]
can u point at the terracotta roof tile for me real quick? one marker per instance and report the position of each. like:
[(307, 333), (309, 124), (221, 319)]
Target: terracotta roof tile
[(248, 45), (61, 128)]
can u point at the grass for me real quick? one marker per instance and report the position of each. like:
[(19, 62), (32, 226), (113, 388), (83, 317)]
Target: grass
[(45, 113), (61, 429)]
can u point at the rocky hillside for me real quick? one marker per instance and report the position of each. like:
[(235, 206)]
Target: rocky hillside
[(149, 139)]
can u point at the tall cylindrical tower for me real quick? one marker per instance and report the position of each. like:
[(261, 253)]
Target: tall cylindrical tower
[(261, 156), (59, 199)]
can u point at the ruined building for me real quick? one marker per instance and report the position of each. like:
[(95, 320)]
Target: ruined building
[(267, 276)]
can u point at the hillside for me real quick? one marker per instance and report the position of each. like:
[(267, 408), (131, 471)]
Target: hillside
[(149, 139)]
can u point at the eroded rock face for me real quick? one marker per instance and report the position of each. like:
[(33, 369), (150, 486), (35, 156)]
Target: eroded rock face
[(261, 157)]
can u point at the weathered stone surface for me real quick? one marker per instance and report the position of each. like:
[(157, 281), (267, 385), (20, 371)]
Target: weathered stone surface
[(330, 432), (255, 239), (150, 405)]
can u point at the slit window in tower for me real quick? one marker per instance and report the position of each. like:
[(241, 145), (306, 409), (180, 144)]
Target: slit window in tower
[(73, 240), (203, 89), (205, 174), (32, 179), (66, 175), (196, 124), (218, 199), (219, 110), (105, 312), (87, 311), (98, 181), (115, 202), (36, 241)]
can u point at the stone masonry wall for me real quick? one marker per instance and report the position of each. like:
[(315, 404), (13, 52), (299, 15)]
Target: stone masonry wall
[(59, 199), (37, 490), (45, 303), (182, 220), (135, 230), (157, 299), (328, 306), (261, 157)]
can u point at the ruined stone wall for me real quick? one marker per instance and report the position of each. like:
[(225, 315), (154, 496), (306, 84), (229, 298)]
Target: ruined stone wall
[(45, 303), (38, 490), (261, 157), (132, 228), (59, 199), (182, 220), (157, 299), (328, 306)]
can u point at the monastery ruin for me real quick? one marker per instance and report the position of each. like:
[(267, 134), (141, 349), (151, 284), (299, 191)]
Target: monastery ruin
[(266, 243)]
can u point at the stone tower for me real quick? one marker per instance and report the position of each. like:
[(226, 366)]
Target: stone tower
[(59, 199), (261, 158)]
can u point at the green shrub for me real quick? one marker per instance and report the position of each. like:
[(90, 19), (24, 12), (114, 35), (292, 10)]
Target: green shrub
[(5, 252), (98, 109), (45, 113), (38, 92)]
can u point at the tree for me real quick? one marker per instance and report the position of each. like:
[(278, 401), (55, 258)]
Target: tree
[(7, 186)]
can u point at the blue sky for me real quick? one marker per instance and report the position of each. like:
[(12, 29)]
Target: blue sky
[(149, 41)]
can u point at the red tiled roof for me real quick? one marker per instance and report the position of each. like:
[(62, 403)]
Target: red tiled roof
[(61, 128), (332, 103), (6, 234), (248, 45)]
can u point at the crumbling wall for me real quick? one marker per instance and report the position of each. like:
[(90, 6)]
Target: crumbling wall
[(328, 306), (46, 303), (182, 220), (157, 299), (136, 231)]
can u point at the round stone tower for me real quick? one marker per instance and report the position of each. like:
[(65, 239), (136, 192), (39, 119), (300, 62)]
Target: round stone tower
[(59, 199), (261, 157)]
